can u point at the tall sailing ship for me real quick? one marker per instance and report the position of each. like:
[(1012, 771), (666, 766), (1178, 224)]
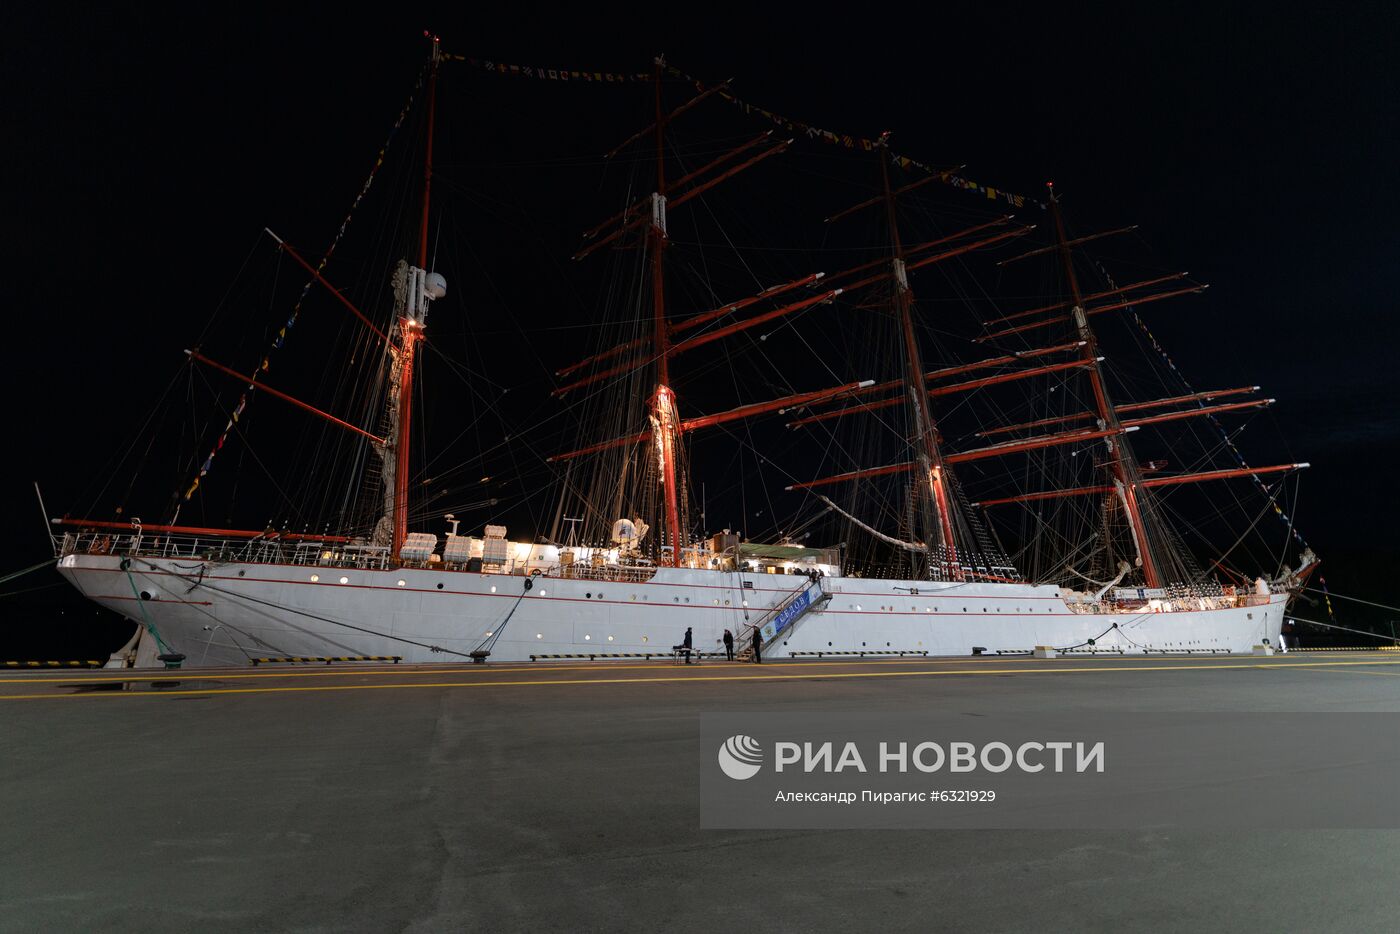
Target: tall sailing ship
[(932, 488)]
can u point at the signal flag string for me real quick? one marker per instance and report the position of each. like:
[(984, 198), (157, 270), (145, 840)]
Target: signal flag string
[(281, 337), (847, 140)]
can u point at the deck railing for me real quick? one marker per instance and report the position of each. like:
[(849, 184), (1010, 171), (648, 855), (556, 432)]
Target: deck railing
[(217, 550)]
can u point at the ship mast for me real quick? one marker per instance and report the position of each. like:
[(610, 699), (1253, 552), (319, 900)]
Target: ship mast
[(925, 436), (411, 329), (664, 417), (1126, 475)]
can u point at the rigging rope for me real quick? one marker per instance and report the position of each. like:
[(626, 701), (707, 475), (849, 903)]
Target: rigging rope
[(29, 570), (494, 636), (907, 546), (1324, 592), (1359, 632), (296, 309), (1225, 435), (141, 602)]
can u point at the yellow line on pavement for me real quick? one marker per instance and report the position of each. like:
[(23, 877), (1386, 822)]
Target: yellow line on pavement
[(773, 676)]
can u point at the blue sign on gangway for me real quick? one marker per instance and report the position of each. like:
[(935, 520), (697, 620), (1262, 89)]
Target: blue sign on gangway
[(789, 613)]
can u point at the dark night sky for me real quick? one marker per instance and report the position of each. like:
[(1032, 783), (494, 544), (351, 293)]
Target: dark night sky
[(1257, 150)]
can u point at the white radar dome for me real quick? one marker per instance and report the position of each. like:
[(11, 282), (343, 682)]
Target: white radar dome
[(435, 286), (623, 532)]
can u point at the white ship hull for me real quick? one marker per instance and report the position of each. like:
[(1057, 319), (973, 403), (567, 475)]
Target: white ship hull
[(228, 613)]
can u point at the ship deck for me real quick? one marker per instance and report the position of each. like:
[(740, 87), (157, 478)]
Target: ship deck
[(562, 796)]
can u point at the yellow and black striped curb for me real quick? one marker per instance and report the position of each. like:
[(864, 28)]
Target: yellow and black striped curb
[(82, 663), (328, 659), (866, 652), (1366, 648), (1147, 652)]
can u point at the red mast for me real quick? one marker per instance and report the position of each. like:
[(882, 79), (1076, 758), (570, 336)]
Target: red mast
[(930, 457), (410, 331), (1121, 462), (663, 400)]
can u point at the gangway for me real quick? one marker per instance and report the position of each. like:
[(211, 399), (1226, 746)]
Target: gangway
[(810, 596)]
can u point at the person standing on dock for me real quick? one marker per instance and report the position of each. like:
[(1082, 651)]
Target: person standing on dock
[(757, 646), (728, 645), (685, 645)]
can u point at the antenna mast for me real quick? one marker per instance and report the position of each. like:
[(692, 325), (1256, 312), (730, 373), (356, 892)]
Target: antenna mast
[(411, 327)]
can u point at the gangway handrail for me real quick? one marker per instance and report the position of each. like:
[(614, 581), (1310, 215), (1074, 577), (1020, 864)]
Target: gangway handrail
[(744, 638)]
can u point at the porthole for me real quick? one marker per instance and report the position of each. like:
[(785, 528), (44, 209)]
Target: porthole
[(440, 586), (746, 603), (315, 578), (634, 596), (828, 645), (145, 595), (858, 609), (587, 638), (539, 635), (241, 573), (610, 638), (493, 587), (716, 601), (345, 580), (489, 634), (589, 595), (403, 583), (677, 599), (726, 603), (644, 639), (544, 593)]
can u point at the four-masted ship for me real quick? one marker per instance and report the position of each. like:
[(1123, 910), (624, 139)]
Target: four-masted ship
[(978, 493)]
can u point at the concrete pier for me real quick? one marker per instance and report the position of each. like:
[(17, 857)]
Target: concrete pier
[(562, 796)]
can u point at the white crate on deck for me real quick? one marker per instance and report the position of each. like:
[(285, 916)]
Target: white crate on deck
[(418, 546), (458, 549), (495, 551)]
